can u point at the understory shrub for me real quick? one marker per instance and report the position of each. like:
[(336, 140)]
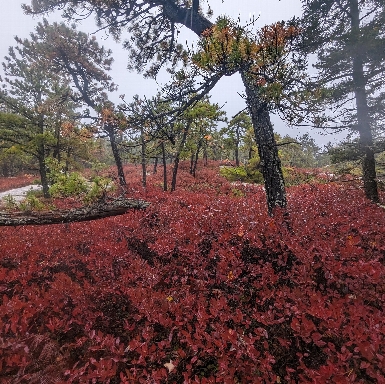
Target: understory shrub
[(98, 187), (31, 203), (297, 176), (245, 174), (66, 185), (74, 185), (201, 287), (9, 202)]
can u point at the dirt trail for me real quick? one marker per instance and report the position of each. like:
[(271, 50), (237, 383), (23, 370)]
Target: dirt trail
[(19, 193)]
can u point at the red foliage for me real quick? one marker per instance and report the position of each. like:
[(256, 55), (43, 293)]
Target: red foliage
[(202, 287), (7, 183)]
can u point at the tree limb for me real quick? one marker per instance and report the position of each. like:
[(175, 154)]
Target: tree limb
[(113, 207)]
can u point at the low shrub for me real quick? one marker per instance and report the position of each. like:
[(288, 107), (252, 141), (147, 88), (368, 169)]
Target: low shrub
[(9, 202), (201, 287), (245, 174), (31, 203), (297, 176), (72, 184), (98, 187)]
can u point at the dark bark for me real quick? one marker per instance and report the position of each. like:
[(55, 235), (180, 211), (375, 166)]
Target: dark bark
[(191, 162), (267, 148), (164, 160), (41, 153), (195, 7), (188, 17), (236, 152), (56, 150), (155, 170), (194, 169), (43, 175), (205, 157), (364, 129), (177, 157), (67, 162), (115, 151), (143, 158), (113, 207)]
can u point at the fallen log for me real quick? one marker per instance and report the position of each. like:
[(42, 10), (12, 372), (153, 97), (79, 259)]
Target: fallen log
[(100, 210)]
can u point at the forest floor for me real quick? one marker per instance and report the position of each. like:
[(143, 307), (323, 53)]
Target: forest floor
[(203, 286)]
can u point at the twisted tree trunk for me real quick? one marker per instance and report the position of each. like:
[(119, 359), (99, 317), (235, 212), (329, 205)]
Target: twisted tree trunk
[(267, 147), (115, 151)]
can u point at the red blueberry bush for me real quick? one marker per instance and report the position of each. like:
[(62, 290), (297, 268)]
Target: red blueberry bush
[(201, 287), (7, 183)]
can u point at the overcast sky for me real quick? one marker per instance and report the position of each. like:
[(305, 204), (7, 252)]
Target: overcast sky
[(13, 22)]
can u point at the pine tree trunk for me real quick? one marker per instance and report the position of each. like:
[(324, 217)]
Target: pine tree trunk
[(155, 170), (41, 154), (43, 176), (116, 154), (195, 162), (67, 161), (191, 162), (177, 157), (237, 141), (196, 157), (143, 158), (237, 154), (164, 167), (267, 148), (364, 129), (56, 151)]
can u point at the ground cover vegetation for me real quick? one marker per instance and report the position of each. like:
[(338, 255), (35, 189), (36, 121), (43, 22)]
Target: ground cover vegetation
[(7, 183), (203, 286)]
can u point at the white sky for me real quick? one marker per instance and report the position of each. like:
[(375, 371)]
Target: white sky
[(13, 22)]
